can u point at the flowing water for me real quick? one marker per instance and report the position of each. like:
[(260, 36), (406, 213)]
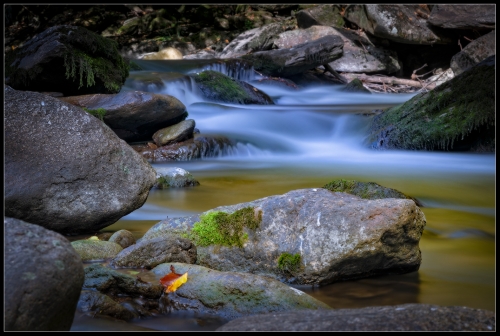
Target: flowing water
[(310, 137)]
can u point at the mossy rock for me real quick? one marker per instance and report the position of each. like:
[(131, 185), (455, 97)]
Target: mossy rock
[(67, 59), (356, 85), (458, 115), (218, 87), (366, 190)]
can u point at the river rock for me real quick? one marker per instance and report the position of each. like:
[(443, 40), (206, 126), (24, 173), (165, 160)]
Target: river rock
[(174, 177), (320, 15), (398, 23), (124, 238), (43, 278), (442, 119), (217, 87), (473, 53), (175, 133), (302, 57), (359, 53), (252, 40), (134, 115), (67, 59), (95, 249), (470, 16), (196, 148), (152, 252), (65, 169), (168, 53), (312, 236), (406, 317), (232, 294)]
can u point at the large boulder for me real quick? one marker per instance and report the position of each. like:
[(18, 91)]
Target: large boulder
[(302, 57), (67, 59), (42, 280), (134, 115), (406, 317), (65, 169), (458, 115), (398, 23), (470, 16), (359, 53), (307, 236)]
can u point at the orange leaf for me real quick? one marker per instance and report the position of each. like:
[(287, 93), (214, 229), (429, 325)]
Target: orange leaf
[(173, 280)]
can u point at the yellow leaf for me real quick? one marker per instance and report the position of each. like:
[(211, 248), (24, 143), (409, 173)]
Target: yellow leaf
[(172, 281), (177, 283)]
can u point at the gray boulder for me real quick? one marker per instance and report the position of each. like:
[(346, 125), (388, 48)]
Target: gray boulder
[(253, 40), (406, 317), (470, 16), (68, 59), (124, 238), (307, 236), (134, 115), (231, 295), (152, 252), (473, 53), (63, 164), (360, 54), (43, 278), (302, 57), (95, 249), (398, 23), (175, 133)]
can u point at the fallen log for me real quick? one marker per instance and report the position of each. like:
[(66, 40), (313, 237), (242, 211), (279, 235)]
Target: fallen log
[(388, 80)]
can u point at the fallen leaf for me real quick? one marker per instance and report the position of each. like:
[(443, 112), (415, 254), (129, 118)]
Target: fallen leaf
[(93, 238), (172, 281)]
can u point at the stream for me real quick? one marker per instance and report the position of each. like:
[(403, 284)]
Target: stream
[(310, 137)]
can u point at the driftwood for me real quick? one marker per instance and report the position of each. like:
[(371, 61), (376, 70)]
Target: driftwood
[(388, 80)]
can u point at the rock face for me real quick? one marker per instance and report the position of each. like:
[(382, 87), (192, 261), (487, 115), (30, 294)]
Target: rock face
[(67, 59), (314, 236), (232, 294), (65, 169), (407, 317), (463, 16), (473, 53), (134, 115), (302, 57), (43, 278), (442, 119), (399, 23)]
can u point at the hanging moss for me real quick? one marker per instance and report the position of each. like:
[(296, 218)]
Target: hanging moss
[(440, 118)]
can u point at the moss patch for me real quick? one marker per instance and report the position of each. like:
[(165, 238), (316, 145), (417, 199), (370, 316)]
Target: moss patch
[(98, 113), (221, 228), (440, 119), (366, 190), (288, 262)]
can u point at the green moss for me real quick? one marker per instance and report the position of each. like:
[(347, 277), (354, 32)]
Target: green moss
[(437, 119), (220, 228), (98, 113), (162, 182), (289, 262), (366, 190)]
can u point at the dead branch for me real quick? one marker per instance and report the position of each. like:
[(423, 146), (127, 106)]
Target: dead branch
[(335, 73), (387, 80)]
